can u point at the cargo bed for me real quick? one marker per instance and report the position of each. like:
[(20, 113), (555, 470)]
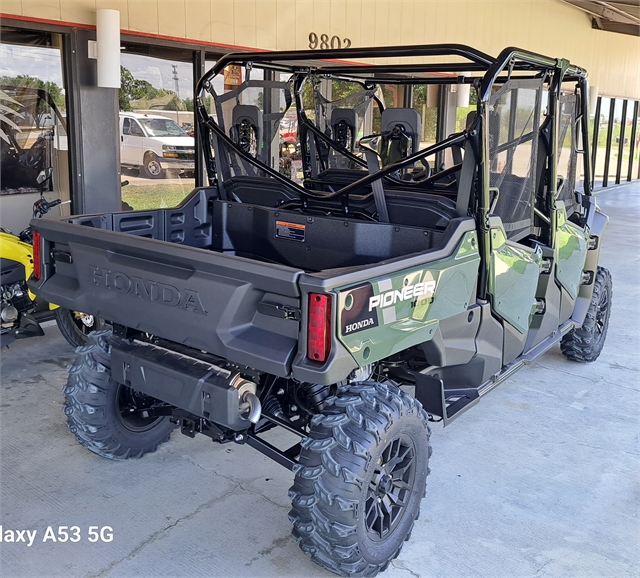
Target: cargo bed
[(227, 278)]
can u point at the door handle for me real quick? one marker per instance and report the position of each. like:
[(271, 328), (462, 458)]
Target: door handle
[(121, 138)]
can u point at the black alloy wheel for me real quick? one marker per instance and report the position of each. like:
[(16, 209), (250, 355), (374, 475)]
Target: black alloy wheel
[(390, 488), (136, 409), (76, 326)]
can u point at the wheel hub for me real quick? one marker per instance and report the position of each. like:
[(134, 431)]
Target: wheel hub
[(135, 409), (384, 484), (390, 488)]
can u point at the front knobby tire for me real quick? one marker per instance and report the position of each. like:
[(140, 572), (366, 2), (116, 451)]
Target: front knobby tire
[(106, 417), (585, 343), (360, 479)]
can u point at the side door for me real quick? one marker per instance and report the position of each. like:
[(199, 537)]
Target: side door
[(131, 142), (570, 241), (516, 259)]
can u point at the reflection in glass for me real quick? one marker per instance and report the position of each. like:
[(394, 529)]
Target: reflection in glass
[(157, 148), (33, 134)]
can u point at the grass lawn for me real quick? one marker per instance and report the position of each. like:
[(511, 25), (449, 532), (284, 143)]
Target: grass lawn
[(156, 196)]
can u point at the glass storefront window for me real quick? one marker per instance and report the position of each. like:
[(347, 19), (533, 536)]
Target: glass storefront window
[(157, 147), (425, 101), (462, 113), (33, 136)]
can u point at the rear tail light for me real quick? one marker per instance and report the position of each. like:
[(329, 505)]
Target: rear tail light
[(319, 328), (37, 256)]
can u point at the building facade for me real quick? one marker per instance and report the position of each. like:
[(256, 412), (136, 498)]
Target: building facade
[(84, 133)]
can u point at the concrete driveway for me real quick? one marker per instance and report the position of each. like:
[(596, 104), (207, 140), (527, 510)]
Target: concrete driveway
[(540, 479)]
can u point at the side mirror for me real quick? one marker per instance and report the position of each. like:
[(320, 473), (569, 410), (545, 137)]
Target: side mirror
[(44, 175)]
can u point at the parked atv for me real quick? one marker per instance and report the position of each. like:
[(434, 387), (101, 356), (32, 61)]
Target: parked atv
[(261, 303), (17, 302)]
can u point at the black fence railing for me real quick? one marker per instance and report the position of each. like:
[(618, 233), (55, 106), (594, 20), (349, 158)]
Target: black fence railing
[(615, 152)]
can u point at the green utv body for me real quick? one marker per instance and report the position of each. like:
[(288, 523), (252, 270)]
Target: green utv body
[(317, 276)]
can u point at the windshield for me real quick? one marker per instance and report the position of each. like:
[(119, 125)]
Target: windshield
[(162, 127)]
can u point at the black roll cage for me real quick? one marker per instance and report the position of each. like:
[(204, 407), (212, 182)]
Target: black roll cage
[(511, 60), (332, 62)]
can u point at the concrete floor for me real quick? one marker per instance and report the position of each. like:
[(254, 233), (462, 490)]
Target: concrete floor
[(540, 479)]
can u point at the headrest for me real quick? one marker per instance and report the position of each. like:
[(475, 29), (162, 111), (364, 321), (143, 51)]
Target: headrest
[(344, 126), (408, 118), (246, 129)]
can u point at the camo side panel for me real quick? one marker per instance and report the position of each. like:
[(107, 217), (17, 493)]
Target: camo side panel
[(389, 314)]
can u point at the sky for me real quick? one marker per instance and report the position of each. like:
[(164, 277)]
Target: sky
[(37, 61), (46, 63)]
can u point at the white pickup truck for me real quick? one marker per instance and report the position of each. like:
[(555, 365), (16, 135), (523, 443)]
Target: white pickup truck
[(154, 144)]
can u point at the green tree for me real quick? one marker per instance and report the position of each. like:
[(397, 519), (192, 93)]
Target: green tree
[(132, 89), (25, 81), (127, 86), (174, 104), (188, 104)]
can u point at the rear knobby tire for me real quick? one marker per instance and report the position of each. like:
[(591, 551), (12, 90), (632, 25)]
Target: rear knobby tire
[(368, 447), (75, 326), (585, 343), (98, 408)]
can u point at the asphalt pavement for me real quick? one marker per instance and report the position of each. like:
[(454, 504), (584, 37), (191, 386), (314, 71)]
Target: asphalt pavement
[(539, 479)]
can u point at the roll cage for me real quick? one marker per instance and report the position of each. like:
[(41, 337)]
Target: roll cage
[(512, 69)]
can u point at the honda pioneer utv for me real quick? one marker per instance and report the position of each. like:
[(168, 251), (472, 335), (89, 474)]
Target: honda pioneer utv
[(306, 294)]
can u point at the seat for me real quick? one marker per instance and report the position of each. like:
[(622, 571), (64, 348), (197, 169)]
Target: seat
[(344, 127), (246, 128), (407, 118)]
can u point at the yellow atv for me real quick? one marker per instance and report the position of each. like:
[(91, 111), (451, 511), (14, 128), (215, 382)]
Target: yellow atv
[(18, 303)]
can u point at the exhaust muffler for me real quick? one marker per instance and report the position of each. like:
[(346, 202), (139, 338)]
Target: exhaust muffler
[(200, 388)]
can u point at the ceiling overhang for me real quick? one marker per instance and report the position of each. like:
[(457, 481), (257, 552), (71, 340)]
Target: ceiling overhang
[(622, 16)]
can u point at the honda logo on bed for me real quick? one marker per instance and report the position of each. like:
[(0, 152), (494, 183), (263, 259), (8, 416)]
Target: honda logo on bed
[(147, 289)]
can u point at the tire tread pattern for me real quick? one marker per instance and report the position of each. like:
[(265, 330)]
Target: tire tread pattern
[(89, 405), (330, 474), (580, 344)]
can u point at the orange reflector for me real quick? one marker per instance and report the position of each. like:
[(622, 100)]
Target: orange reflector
[(319, 327)]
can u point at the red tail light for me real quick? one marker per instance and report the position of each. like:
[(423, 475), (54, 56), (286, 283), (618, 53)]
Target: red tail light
[(319, 328), (37, 256)]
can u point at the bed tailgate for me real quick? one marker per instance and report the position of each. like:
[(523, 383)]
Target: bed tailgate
[(223, 304)]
